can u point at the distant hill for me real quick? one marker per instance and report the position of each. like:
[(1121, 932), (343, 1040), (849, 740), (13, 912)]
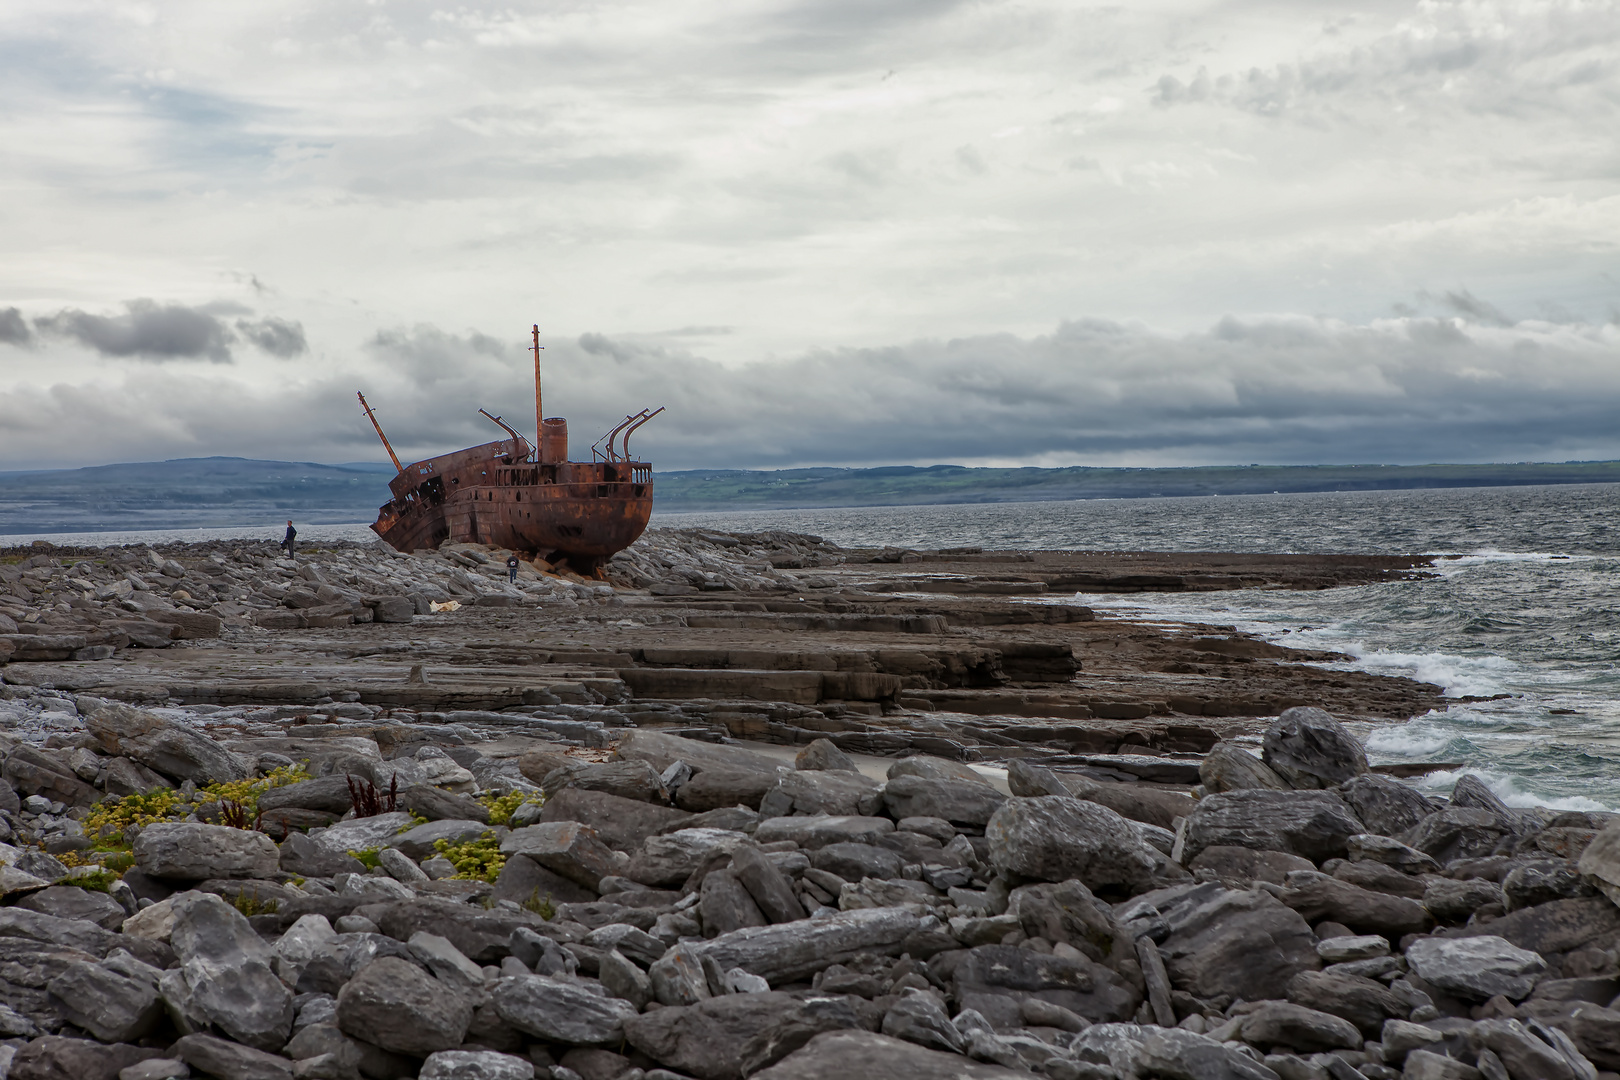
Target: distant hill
[(224, 491), (190, 493), (711, 489)]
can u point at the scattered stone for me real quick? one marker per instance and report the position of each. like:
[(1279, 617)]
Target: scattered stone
[(1476, 968), (824, 755)]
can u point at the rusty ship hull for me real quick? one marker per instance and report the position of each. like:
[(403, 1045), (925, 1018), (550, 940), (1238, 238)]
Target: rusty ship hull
[(581, 512), (529, 498)]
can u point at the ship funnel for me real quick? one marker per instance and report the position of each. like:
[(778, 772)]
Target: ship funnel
[(554, 440)]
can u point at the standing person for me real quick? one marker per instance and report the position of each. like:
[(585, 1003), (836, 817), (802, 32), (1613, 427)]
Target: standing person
[(511, 568), (288, 540)]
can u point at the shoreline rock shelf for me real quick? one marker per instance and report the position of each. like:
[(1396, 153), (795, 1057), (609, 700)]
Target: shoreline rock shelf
[(517, 839)]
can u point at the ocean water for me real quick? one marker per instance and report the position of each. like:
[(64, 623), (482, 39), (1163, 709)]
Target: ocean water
[(1530, 609), (1525, 602)]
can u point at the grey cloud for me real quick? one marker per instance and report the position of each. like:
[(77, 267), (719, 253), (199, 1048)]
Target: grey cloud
[(1492, 59), (1414, 389), (148, 330), (1470, 306), (13, 328), (278, 337)]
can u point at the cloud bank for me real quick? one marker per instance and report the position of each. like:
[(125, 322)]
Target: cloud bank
[(1274, 390), (820, 232)]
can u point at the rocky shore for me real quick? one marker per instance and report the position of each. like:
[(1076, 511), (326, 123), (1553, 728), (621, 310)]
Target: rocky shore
[(753, 806)]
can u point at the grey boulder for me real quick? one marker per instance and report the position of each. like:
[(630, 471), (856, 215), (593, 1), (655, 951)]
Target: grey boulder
[(961, 802), (841, 1055), (1364, 1002), (671, 858), (1387, 807), (1244, 944), (919, 1018), (1055, 838), (394, 1004), (212, 1056), (1185, 1055), (635, 780), (1476, 968), (809, 792), (796, 950), (1314, 825), (228, 970), (475, 1065), (1458, 833), (112, 1007), (561, 1011), (164, 745), (192, 851), (728, 1038), (1282, 1023), (996, 980), (824, 755), (566, 848), (1454, 901), (1310, 749), (1229, 767)]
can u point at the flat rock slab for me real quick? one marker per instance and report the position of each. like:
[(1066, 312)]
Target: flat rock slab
[(796, 950), (191, 851), (560, 1011), (728, 1038), (842, 1055), (1476, 968), (1314, 825)]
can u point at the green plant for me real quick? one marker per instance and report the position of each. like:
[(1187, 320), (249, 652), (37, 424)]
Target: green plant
[(474, 860), (118, 861), (368, 857), (502, 807), (246, 793), (252, 905), (95, 881), (543, 908)]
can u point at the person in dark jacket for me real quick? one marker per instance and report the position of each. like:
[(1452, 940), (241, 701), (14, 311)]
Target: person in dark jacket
[(288, 540), (511, 568)]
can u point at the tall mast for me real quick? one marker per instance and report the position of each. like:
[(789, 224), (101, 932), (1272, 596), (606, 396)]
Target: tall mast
[(539, 418), (373, 418)]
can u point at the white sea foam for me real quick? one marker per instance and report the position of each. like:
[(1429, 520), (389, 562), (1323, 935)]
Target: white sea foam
[(1416, 740), (1507, 789), (1457, 676)]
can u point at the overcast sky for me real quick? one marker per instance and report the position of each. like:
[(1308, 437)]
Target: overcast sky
[(822, 232)]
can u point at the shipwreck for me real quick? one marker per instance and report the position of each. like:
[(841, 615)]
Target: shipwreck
[(525, 496)]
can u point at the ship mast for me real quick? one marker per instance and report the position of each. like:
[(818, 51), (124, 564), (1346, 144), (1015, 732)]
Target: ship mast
[(386, 445), (539, 420)]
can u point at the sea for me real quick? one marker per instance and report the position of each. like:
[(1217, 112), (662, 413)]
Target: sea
[(1524, 602)]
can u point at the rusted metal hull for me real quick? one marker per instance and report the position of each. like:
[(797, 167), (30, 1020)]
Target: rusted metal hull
[(582, 512)]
